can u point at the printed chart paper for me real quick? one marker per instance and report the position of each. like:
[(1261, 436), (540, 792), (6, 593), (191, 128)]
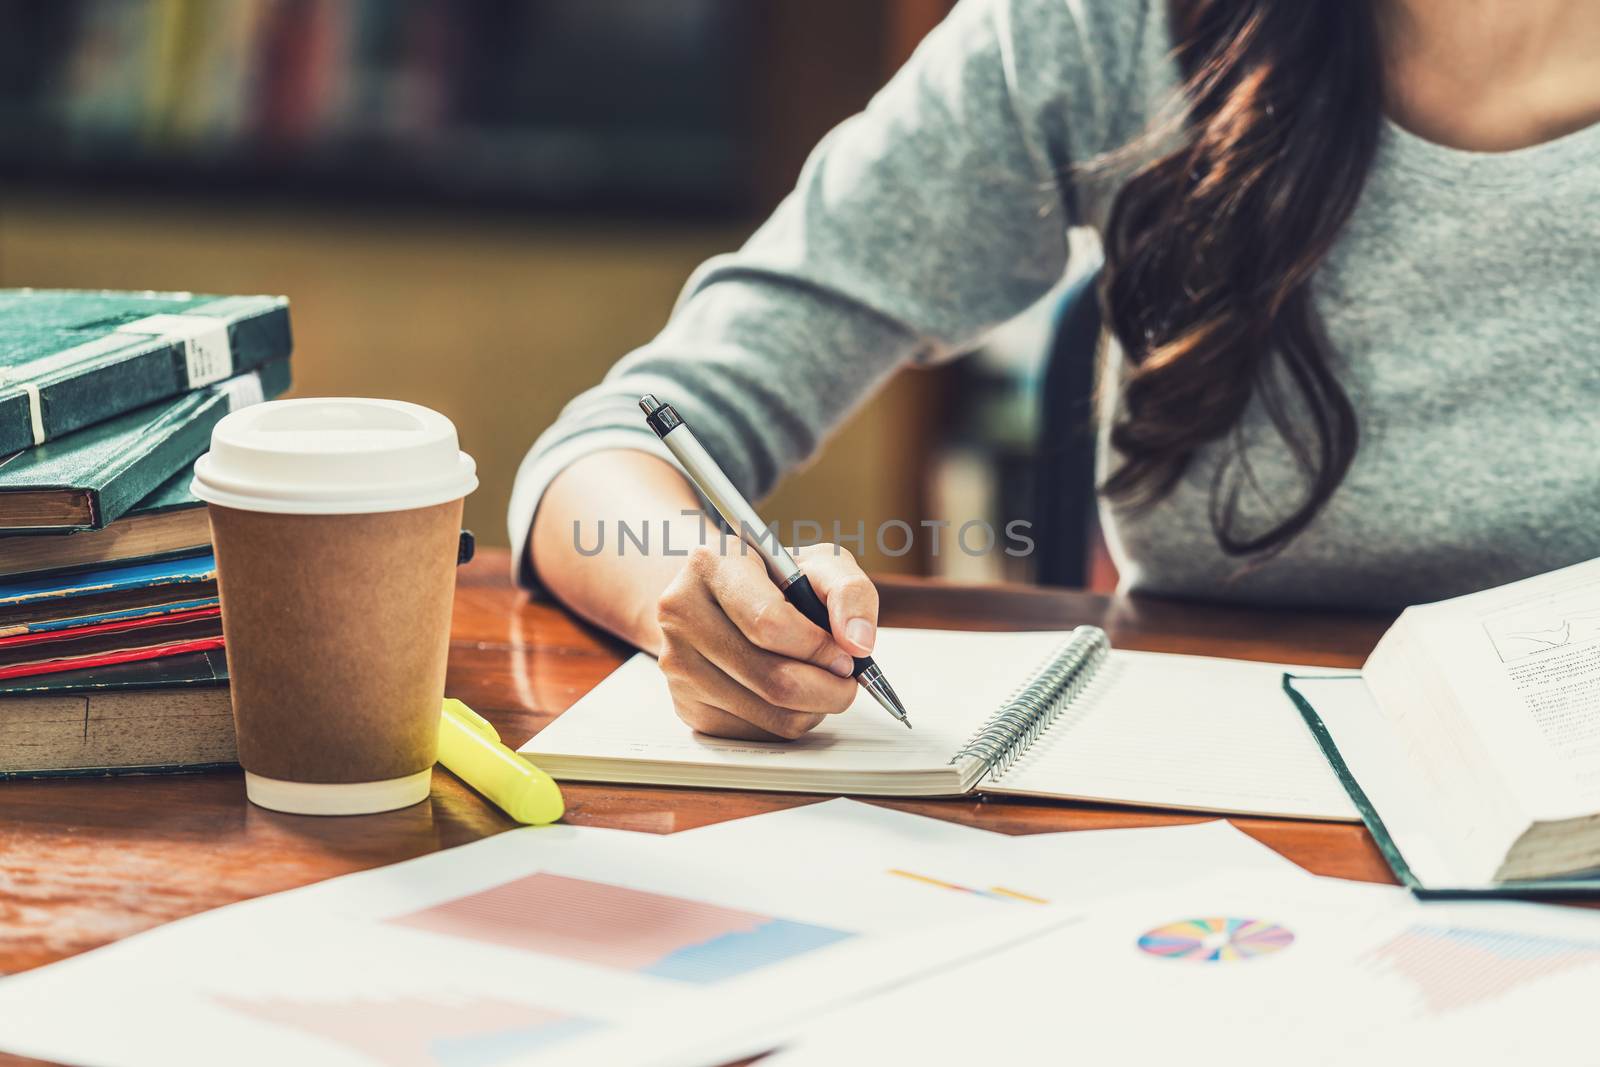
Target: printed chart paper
[(581, 945), (1303, 971), (874, 843), (562, 944)]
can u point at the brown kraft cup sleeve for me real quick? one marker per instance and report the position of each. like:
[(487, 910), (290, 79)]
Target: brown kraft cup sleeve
[(337, 630)]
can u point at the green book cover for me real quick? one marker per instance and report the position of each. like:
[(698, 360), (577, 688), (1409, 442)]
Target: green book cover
[(169, 523), (171, 495), (73, 358), (88, 479), (1585, 886)]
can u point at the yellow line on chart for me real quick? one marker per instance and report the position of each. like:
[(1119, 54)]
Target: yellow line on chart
[(992, 892), (1017, 896)]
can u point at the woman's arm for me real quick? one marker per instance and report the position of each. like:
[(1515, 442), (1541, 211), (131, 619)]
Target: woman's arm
[(615, 590), (916, 226)]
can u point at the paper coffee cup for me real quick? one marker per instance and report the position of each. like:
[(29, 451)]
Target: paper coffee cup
[(336, 523)]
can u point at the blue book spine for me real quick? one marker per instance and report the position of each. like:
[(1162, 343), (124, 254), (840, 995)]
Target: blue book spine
[(67, 587)]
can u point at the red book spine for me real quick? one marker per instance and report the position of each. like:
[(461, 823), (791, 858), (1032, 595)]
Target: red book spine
[(45, 637), (103, 659)]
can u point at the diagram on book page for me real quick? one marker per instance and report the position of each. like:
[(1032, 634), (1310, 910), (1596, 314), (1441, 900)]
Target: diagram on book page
[(1562, 620)]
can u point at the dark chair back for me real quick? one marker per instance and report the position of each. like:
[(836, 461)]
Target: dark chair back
[(1064, 486)]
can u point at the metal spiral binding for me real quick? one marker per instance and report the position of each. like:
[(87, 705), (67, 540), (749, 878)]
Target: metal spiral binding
[(1029, 711)]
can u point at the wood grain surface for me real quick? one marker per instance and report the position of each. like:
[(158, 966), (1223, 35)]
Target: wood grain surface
[(85, 862)]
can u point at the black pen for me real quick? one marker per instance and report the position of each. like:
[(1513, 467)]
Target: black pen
[(743, 521)]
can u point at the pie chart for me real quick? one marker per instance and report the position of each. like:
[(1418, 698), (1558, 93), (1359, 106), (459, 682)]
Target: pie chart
[(1216, 939)]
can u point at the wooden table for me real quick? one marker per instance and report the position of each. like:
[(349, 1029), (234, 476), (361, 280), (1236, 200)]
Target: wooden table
[(85, 862)]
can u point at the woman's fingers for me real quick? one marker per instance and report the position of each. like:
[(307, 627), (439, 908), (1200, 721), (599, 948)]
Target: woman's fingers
[(783, 683), (722, 676), (718, 723), (706, 698), (779, 681), (748, 597), (742, 662), (851, 597)]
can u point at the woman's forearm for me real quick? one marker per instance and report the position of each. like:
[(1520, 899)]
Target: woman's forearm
[(589, 566)]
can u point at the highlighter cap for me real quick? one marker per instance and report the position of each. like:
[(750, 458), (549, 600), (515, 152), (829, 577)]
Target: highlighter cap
[(333, 456), (470, 748)]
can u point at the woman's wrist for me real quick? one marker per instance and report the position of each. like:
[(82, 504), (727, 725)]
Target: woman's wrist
[(578, 550)]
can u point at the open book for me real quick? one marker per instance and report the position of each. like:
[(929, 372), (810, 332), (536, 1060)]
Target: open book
[(1040, 714), (1471, 740)]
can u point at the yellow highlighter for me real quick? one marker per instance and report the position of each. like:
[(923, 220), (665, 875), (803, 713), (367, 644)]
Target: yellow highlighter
[(470, 748)]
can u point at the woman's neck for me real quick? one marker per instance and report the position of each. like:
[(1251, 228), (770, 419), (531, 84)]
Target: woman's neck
[(1492, 75)]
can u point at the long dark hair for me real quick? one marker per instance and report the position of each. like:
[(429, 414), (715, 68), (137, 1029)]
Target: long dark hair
[(1211, 247)]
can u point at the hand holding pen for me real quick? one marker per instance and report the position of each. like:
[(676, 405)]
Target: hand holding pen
[(754, 645)]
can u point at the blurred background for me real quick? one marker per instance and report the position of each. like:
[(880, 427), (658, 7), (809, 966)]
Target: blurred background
[(479, 205)]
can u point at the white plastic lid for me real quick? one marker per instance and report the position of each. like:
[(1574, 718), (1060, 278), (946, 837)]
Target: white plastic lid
[(333, 456)]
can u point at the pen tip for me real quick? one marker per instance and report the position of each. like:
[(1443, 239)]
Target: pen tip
[(874, 682)]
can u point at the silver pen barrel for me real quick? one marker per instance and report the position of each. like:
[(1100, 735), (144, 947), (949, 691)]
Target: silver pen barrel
[(878, 687), (726, 498)]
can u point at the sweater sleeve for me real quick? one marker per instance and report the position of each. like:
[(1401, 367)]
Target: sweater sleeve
[(916, 226)]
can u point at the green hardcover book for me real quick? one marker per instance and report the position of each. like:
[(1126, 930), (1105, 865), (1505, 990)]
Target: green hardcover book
[(146, 717), (169, 523), (91, 478), (72, 358), (1468, 741)]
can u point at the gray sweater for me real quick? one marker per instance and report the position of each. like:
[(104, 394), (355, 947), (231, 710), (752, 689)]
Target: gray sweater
[(1461, 299)]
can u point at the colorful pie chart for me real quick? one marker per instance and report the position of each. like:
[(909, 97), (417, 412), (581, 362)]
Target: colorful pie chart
[(1215, 940)]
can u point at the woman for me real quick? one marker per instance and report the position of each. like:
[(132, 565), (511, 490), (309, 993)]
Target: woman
[(1351, 279)]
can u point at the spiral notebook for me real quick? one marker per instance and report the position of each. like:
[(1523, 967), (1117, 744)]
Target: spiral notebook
[(1052, 714)]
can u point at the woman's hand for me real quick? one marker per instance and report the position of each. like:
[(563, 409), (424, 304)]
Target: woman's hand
[(742, 662)]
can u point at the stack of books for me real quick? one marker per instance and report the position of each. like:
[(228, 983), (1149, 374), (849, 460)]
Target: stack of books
[(111, 648)]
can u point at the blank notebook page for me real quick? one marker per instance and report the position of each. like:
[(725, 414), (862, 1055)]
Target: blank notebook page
[(1184, 731), (950, 682)]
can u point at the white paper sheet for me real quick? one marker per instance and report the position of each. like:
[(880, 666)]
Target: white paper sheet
[(570, 945), (909, 855), (1185, 732), (1521, 663), (1323, 972)]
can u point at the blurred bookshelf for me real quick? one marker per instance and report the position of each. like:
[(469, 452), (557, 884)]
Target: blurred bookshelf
[(524, 184), (474, 205), (698, 107)]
